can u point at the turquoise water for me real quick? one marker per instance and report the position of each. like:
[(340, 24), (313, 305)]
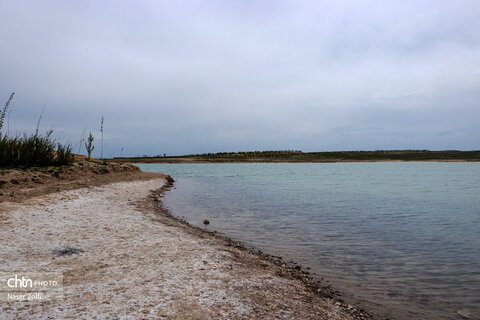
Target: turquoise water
[(402, 239)]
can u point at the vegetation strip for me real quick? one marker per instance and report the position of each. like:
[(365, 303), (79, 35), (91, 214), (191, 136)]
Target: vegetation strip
[(299, 156)]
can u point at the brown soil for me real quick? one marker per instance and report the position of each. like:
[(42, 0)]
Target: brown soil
[(18, 184)]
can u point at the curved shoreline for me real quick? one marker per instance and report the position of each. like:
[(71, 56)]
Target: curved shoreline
[(286, 269), (116, 235)]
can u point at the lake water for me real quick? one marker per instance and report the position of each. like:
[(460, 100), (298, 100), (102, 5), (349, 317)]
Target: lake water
[(400, 238)]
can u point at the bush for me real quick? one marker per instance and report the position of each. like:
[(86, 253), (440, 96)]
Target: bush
[(32, 151), (64, 154), (36, 150)]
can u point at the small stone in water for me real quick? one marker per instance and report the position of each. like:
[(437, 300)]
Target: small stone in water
[(206, 222), (465, 313)]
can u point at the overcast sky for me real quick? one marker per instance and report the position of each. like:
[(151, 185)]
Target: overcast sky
[(182, 77)]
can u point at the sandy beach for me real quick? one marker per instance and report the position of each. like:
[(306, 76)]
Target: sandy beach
[(130, 260)]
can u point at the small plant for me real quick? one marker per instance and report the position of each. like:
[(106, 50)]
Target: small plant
[(82, 140), (40, 118), (4, 110), (89, 146), (101, 130)]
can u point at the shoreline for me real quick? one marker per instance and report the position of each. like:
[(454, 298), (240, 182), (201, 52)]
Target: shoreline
[(378, 272), (286, 268), (265, 284)]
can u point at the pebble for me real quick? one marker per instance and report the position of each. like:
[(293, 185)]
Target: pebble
[(465, 313)]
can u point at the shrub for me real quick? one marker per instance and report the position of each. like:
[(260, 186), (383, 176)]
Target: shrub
[(32, 151), (37, 150), (89, 145), (64, 154)]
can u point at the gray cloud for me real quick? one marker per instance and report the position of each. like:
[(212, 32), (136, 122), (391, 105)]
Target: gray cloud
[(200, 76)]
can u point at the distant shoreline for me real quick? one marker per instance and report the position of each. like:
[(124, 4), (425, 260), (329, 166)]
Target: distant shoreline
[(313, 157), (188, 161)]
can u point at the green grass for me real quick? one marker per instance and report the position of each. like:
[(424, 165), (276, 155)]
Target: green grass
[(31, 151)]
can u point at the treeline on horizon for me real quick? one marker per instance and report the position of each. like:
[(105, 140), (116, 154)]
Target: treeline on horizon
[(297, 155), (345, 155)]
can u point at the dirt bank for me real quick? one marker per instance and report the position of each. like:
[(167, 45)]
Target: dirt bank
[(18, 184)]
